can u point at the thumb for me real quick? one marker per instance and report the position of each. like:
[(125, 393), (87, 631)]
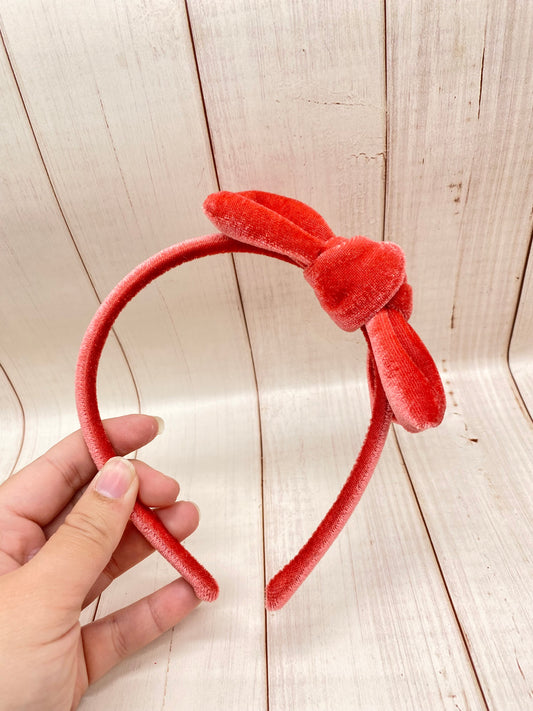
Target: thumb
[(81, 547)]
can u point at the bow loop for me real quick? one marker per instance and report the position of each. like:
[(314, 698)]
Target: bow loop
[(294, 211), (261, 219)]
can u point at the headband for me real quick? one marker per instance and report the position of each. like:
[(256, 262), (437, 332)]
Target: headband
[(360, 283)]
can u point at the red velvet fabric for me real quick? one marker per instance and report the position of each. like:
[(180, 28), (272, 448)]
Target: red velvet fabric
[(360, 283)]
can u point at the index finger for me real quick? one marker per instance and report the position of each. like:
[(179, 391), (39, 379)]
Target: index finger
[(43, 488)]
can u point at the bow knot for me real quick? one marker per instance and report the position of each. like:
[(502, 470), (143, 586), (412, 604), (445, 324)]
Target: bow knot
[(355, 278)]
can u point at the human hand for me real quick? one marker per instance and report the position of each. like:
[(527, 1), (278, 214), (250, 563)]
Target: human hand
[(58, 554)]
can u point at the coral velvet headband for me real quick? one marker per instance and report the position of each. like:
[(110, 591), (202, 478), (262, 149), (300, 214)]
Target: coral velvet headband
[(359, 282)]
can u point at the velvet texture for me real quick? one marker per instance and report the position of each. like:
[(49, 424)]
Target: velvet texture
[(360, 283)]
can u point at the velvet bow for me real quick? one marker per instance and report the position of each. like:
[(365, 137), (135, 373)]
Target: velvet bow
[(359, 282)]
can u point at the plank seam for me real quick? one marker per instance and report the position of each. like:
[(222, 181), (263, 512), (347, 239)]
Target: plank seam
[(71, 236), (62, 213), (248, 338), (202, 97), (387, 122), (261, 470), (441, 571), (23, 415), (528, 257)]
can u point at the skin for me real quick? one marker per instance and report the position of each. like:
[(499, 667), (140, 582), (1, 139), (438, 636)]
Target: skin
[(62, 542)]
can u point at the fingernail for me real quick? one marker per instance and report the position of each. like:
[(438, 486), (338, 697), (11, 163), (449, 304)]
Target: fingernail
[(115, 478), (160, 424), (197, 508)]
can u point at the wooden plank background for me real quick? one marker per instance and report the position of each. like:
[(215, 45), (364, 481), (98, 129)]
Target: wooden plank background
[(403, 121)]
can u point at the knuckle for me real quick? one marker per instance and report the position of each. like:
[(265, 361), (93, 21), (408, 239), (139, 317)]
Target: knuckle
[(69, 472), (118, 637), (156, 616), (112, 571), (15, 543), (90, 527)]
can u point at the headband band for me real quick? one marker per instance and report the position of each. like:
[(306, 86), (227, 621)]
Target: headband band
[(359, 283)]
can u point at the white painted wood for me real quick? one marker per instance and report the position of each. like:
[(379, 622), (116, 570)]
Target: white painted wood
[(11, 426), (128, 154), (46, 299), (291, 100), (308, 79), (295, 96), (460, 174), (372, 628), (521, 348), (473, 479), (460, 107)]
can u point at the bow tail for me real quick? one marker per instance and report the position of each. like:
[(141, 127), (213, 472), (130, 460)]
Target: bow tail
[(407, 371)]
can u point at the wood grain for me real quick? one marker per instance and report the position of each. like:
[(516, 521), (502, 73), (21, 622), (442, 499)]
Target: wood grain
[(11, 426), (405, 121), (460, 180), (372, 627), (473, 479), (128, 154), (521, 347), (329, 648), (46, 297), (465, 224)]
